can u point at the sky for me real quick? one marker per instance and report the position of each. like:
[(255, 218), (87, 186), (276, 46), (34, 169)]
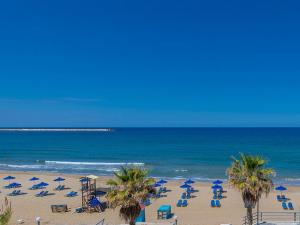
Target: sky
[(149, 63)]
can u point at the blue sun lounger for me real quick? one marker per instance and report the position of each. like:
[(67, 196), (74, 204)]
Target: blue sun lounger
[(71, 194), (284, 206), (290, 205), (40, 194), (212, 203), (184, 203), (15, 193), (179, 203), (218, 204), (183, 195), (36, 187), (60, 188)]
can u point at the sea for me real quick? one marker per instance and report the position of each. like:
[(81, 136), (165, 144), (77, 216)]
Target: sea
[(202, 154)]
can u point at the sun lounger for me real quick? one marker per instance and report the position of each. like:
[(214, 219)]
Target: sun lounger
[(147, 202), (215, 196), (184, 203), (71, 194), (40, 194), (290, 205), (183, 195), (212, 203), (218, 204), (35, 187), (284, 206), (179, 203), (60, 188), (279, 198), (15, 193), (188, 196)]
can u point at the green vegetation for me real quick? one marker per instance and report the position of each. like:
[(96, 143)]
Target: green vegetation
[(130, 187), (5, 213), (249, 176)]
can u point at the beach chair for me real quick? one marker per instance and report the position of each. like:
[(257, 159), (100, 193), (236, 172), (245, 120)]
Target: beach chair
[(220, 196), (71, 194), (35, 187), (215, 196), (212, 203), (284, 206), (218, 203), (184, 203), (147, 202), (183, 195), (45, 193), (40, 194), (290, 205), (14, 193), (60, 188), (179, 203), (279, 198), (188, 196)]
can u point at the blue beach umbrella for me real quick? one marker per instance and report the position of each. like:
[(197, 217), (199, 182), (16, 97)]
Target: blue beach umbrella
[(14, 185), (218, 182), (59, 179), (281, 189), (157, 185), (42, 184), (9, 178), (162, 181), (185, 186), (216, 186), (34, 179), (189, 181)]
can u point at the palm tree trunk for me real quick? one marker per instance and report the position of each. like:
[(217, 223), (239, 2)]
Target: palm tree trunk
[(249, 216)]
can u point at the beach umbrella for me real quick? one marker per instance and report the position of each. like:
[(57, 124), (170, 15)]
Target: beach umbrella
[(217, 182), (34, 179), (156, 185), (281, 189), (162, 181), (9, 178), (189, 181), (59, 179), (216, 186), (43, 184), (14, 185), (185, 186)]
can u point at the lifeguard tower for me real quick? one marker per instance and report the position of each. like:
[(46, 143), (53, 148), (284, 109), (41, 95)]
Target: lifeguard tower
[(90, 203)]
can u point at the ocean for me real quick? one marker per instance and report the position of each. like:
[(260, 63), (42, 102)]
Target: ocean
[(172, 153)]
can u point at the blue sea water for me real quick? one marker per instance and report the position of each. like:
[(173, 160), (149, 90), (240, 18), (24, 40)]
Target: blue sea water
[(199, 153)]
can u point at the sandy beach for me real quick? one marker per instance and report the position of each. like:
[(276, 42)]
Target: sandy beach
[(198, 212)]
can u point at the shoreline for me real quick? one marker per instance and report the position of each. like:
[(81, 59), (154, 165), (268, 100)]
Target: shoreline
[(292, 182)]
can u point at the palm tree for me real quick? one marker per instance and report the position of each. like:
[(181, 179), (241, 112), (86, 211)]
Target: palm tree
[(129, 188), (5, 213), (250, 176)]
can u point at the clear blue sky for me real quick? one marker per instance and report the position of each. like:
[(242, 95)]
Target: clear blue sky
[(149, 63)]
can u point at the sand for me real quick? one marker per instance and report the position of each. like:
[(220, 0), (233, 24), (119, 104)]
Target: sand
[(27, 207)]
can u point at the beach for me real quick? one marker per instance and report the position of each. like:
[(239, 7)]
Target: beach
[(198, 212)]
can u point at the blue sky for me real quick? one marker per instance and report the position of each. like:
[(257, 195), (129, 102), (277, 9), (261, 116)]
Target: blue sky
[(149, 63)]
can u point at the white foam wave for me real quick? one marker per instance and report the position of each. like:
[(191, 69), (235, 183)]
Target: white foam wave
[(96, 163)]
